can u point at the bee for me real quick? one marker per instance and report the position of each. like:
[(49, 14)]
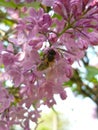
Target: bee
[(47, 60)]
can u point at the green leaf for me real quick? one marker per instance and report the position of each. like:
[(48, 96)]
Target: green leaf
[(12, 4), (1, 66), (8, 4), (69, 83), (57, 16), (8, 22), (35, 5), (90, 30), (91, 72)]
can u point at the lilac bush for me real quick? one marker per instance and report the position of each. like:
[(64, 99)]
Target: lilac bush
[(40, 54)]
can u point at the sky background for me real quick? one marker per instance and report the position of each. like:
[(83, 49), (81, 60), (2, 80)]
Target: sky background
[(78, 111)]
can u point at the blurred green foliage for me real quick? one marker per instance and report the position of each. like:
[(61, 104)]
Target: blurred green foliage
[(53, 121)]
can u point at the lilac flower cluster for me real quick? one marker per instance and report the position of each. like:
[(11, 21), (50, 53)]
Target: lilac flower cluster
[(41, 57)]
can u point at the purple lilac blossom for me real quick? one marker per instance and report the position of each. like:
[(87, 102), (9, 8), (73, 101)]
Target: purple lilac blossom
[(35, 36)]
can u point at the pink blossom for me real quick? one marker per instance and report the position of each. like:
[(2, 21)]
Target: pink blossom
[(13, 13), (34, 115), (17, 75), (5, 99), (35, 72), (47, 2), (63, 95), (8, 59), (3, 125), (16, 115)]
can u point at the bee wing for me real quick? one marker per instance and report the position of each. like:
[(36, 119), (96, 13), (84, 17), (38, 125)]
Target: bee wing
[(42, 66)]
